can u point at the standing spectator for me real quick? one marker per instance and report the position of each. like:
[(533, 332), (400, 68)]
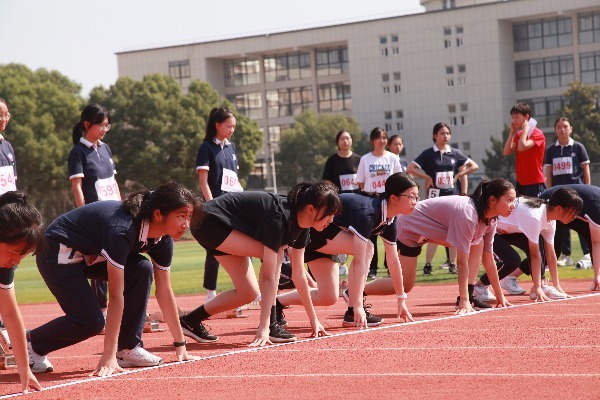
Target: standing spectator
[(217, 167), (567, 162), (340, 169), (396, 145), (374, 169), (92, 171), (441, 166), (529, 143)]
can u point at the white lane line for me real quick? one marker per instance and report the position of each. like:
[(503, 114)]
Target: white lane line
[(276, 346)]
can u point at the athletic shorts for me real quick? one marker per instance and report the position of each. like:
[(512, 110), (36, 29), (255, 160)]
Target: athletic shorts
[(211, 233), (318, 240), (408, 251)]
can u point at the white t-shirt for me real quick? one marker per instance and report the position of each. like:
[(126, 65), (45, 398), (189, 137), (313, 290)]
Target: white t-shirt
[(532, 222), (374, 171)]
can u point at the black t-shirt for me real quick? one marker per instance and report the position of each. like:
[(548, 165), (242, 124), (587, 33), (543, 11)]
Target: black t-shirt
[(341, 171), (263, 216)]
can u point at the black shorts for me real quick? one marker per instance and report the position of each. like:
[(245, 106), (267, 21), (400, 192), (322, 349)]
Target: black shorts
[(318, 240), (211, 233), (408, 251)]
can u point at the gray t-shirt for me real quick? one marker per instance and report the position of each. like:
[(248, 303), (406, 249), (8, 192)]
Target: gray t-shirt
[(448, 220)]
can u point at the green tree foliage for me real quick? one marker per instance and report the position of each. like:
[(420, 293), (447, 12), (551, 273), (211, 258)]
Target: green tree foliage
[(44, 106), (582, 110), (305, 148), (496, 164), (157, 130)]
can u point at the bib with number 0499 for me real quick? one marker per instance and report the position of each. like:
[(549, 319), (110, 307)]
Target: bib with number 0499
[(7, 179), (444, 180), (562, 166), (107, 189), (230, 182)]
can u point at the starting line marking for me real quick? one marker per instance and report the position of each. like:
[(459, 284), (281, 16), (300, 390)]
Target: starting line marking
[(353, 332)]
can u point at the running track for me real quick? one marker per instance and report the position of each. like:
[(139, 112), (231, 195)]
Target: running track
[(533, 350)]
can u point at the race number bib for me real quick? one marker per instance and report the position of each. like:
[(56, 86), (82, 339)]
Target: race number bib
[(230, 182), (107, 189), (377, 184), (444, 180), (433, 193), (562, 166), (348, 182), (7, 179)]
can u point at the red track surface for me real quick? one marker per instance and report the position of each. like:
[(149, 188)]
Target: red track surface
[(544, 350)]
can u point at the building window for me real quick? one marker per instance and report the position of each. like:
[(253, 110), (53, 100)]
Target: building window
[(590, 67), (466, 146), (589, 27), (447, 31), (448, 4), (382, 39), (332, 61), (289, 101), (464, 120), (462, 80), (545, 109), (449, 69), (335, 97), (384, 51), (464, 107), (386, 90), (249, 104), (544, 73), (397, 76), (450, 82), (388, 127), (447, 43), (453, 121), (397, 88), (399, 114), (241, 72), (459, 42), (385, 77), (394, 38), (400, 126), (451, 108), (285, 67), (462, 68), (459, 29), (395, 51), (274, 134), (542, 34), (387, 115), (180, 70)]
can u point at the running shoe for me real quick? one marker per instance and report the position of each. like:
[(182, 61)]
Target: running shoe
[(372, 320), (197, 331), (37, 363), (549, 291), (346, 297), (564, 260), (509, 283), (427, 269), (475, 303), (483, 293), (446, 264), (137, 357), (279, 335), (343, 269), (452, 268)]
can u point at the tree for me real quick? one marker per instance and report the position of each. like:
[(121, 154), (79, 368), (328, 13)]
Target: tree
[(45, 106), (305, 148), (497, 165), (581, 108), (157, 130)]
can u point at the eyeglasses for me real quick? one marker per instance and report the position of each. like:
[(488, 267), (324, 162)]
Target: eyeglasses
[(5, 117), (104, 127), (413, 198)]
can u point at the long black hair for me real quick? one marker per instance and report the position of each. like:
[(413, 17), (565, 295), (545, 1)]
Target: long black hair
[(217, 116), (565, 197), (486, 189), (93, 114), (20, 222), (323, 196), (166, 198), (397, 183)]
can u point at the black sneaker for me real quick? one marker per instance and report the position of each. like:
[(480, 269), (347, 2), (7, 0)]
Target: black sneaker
[(372, 275), (427, 269), (279, 335), (197, 331), (475, 303), (372, 320), (452, 268), (281, 321)]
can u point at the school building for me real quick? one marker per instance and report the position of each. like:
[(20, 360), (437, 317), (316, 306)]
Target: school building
[(463, 62)]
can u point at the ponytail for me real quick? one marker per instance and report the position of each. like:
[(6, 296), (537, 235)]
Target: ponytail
[(166, 198), (486, 189), (92, 114), (323, 196)]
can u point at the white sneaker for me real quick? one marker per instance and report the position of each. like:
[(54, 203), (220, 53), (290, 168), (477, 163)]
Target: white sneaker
[(343, 270), (483, 293), (549, 291), (583, 264), (211, 294), (38, 363), (137, 357), (509, 283), (564, 261), (586, 257), (446, 264)]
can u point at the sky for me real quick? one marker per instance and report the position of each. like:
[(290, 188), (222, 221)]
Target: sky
[(79, 38)]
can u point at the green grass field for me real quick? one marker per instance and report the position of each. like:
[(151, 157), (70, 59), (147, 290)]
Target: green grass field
[(188, 269)]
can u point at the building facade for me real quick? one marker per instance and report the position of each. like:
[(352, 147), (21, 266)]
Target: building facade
[(463, 62)]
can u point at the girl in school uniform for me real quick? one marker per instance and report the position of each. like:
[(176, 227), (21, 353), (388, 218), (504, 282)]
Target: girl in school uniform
[(92, 170), (105, 240), (532, 218), (467, 223), (361, 218), (238, 226), (21, 233)]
